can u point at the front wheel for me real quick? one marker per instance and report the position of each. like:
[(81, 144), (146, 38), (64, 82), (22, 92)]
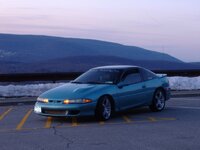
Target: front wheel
[(158, 102), (104, 109)]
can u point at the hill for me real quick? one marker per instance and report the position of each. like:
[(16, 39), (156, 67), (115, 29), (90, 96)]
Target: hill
[(32, 53)]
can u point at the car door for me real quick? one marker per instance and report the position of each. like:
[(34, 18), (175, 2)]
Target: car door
[(131, 93), (150, 81)]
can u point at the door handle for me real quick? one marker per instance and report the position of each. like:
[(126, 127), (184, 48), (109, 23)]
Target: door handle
[(144, 86)]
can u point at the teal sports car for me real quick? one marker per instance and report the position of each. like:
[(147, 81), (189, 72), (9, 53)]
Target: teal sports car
[(102, 91)]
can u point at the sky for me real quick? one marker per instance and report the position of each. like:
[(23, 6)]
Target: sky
[(169, 26)]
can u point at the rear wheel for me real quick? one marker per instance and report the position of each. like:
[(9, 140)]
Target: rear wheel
[(158, 102), (104, 108)]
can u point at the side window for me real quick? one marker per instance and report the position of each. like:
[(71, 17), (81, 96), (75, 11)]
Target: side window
[(131, 77), (148, 75)]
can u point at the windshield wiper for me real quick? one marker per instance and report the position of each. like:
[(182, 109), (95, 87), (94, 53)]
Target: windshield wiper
[(93, 82), (76, 82)]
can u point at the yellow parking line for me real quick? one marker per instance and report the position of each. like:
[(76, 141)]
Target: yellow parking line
[(48, 122), (5, 113), (127, 119), (20, 125), (101, 122), (74, 121), (84, 125), (167, 118), (152, 119)]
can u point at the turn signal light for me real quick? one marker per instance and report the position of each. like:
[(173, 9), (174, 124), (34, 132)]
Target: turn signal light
[(76, 101), (87, 100)]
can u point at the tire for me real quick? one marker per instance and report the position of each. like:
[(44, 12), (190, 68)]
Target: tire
[(104, 109), (158, 102)]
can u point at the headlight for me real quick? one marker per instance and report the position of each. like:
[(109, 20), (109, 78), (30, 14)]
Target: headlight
[(42, 100), (77, 101)]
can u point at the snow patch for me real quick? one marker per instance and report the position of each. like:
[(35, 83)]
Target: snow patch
[(26, 90), (184, 83), (4, 53)]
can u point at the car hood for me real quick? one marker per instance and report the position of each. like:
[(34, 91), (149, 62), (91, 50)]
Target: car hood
[(73, 91)]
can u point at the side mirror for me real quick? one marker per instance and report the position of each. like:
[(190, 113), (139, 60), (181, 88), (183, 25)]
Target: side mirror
[(121, 85)]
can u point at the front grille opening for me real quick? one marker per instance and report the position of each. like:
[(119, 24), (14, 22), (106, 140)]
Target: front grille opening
[(52, 111), (55, 101), (60, 112), (74, 112)]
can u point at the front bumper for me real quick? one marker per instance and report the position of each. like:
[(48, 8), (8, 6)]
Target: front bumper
[(64, 110)]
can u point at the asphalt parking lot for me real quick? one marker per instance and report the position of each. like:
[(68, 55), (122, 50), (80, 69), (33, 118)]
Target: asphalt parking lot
[(175, 128)]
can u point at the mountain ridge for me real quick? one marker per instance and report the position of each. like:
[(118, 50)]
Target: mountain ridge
[(32, 53), (23, 44)]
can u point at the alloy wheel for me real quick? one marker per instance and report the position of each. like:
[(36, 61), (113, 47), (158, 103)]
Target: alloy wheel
[(106, 105)]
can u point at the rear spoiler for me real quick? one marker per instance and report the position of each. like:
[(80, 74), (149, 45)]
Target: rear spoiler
[(161, 75)]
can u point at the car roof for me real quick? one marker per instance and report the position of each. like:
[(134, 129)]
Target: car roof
[(117, 67)]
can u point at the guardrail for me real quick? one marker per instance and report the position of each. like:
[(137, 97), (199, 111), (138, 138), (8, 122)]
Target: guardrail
[(19, 77)]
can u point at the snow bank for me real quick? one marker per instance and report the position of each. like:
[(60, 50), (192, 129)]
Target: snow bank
[(26, 90), (176, 83), (184, 83)]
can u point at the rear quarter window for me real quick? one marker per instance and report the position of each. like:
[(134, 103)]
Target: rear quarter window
[(148, 75)]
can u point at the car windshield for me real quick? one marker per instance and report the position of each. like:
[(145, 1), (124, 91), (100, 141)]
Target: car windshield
[(99, 76)]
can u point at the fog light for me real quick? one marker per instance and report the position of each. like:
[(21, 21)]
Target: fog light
[(37, 109)]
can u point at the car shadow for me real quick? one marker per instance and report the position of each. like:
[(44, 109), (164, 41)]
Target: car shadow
[(117, 117)]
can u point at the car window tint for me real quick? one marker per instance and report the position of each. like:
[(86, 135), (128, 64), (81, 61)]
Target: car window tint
[(148, 75), (100, 76), (132, 77)]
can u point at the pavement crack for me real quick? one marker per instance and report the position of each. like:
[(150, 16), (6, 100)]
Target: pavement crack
[(98, 143), (56, 133)]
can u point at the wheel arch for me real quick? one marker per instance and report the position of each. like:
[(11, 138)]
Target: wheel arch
[(162, 89), (153, 106), (110, 98)]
